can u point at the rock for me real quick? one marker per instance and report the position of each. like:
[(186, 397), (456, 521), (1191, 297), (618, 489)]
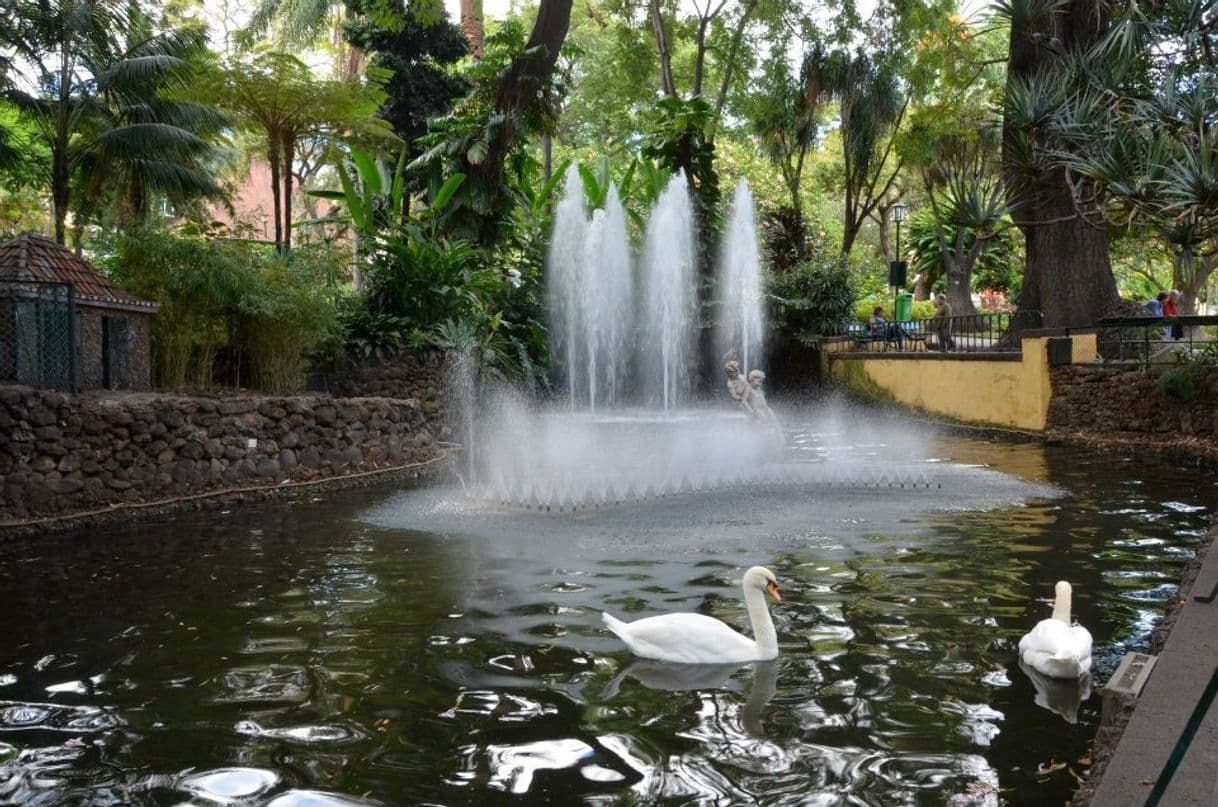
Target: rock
[(165, 457), (69, 463), (267, 467), (310, 457), (287, 459), (185, 473), (43, 464), (118, 484), (64, 487)]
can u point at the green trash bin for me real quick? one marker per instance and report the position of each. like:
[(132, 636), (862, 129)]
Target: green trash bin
[(904, 312)]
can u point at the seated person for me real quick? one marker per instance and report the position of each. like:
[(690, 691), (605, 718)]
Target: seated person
[(881, 328)]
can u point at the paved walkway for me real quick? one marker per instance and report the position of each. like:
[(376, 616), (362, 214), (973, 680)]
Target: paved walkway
[(1179, 678)]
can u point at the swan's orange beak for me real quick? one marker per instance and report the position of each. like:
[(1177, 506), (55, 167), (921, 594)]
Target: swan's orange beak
[(771, 588)]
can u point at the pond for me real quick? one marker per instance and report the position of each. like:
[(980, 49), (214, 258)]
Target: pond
[(391, 646)]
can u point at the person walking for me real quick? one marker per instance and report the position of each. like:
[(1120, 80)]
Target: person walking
[(943, 323)]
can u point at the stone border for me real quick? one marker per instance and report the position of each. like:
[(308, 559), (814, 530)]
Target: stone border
[(1112, 727), (417, 473)]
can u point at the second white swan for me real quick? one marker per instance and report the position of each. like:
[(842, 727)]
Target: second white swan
[(1055, 647), (687, 638)]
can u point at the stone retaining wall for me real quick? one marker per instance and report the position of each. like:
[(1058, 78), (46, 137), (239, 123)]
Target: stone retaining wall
[(420, 376), (1126, 401), (66, 453)]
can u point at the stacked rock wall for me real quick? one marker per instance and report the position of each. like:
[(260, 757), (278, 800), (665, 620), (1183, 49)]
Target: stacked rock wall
[(419, 376), (1129, 402), (64, 453)]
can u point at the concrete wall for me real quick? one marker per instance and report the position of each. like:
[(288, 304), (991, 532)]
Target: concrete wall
[(1011, 391), (65, 453)]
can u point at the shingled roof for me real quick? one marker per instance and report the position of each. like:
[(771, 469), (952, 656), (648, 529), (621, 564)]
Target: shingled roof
[(32, 257)]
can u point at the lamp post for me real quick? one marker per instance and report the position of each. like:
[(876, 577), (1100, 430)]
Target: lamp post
[(897, 270)]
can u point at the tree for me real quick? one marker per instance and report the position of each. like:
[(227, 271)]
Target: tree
[(872, 108), (1067, 274), (785, 114), (1142, 128), (99, 100), (416, 56), (513, 93), (275, 95)]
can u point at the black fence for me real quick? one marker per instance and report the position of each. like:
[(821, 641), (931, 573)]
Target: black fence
[(996, 332), (1141, 339), (38, 335)]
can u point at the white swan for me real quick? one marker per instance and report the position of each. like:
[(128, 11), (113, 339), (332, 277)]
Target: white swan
[(696, 639), (1055, 647)]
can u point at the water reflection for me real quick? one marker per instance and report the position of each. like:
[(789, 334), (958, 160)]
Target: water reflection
[(321, 659), (1058, 695)]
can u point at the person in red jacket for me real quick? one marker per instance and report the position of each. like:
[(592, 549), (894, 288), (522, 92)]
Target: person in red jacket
[(1171, 309)]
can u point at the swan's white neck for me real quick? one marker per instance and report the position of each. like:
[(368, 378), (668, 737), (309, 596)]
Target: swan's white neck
[(763, 626), (1061, 605)]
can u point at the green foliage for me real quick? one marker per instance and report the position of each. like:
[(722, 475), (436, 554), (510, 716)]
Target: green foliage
[(93, 80), (1186, 383), (814, 297), (273, 311), (997, 267), (424, 292), (416, 55), (863, 309), (462, 142), (677, 140)]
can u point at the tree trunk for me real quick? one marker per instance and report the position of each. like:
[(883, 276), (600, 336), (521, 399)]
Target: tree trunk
[(657, 27), (521, 85), (1067, 275), (272, 156), (959, 270), (1191, 284), (289, 151), (61, 167), (471, 25), (547, 154)]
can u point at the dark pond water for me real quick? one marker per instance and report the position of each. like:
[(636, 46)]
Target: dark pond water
[(348, 648)]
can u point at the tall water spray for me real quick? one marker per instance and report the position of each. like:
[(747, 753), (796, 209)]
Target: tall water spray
[(741, 309), (564, 262), (606, 303), (669, 305)]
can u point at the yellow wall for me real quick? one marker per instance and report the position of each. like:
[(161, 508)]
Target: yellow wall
[(1011, 393)]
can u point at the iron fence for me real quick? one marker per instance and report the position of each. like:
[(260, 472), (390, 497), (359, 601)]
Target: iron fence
[(1142, 339), (996, 332), (38, 334)]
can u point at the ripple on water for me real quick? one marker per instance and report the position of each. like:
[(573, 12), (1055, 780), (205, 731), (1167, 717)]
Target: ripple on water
[(275, 682), (16, 715), (512, 767), (332, 734), (229, 785), (317, 798)]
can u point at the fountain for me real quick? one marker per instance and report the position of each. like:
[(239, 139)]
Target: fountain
[(669, 300), (739, 302)]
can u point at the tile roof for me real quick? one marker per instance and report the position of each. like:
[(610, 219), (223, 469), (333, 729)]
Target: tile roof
[(32, 257)]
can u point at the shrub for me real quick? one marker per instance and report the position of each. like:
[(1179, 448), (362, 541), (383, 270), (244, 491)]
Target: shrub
[(270, 310), (814, 297), (922, 309)]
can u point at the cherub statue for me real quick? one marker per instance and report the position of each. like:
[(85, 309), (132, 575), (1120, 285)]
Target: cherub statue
[(737, 386), (756, 404)]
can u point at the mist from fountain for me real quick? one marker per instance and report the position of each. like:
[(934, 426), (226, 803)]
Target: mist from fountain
[(669, 302), (740, 301)]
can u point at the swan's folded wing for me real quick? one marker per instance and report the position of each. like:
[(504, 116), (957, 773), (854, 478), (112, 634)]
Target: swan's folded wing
[(687, 637)]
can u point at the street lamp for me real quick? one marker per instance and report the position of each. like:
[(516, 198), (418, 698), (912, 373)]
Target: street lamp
[(897, 270)]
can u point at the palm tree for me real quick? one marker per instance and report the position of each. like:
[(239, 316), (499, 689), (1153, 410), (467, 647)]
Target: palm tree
[(95, 72)]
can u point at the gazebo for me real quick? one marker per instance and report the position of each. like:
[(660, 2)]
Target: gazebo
[(65, 326)]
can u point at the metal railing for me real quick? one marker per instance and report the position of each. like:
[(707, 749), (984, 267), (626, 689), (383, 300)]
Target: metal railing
[(996, 332), (38, 334), (1140, 339)]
